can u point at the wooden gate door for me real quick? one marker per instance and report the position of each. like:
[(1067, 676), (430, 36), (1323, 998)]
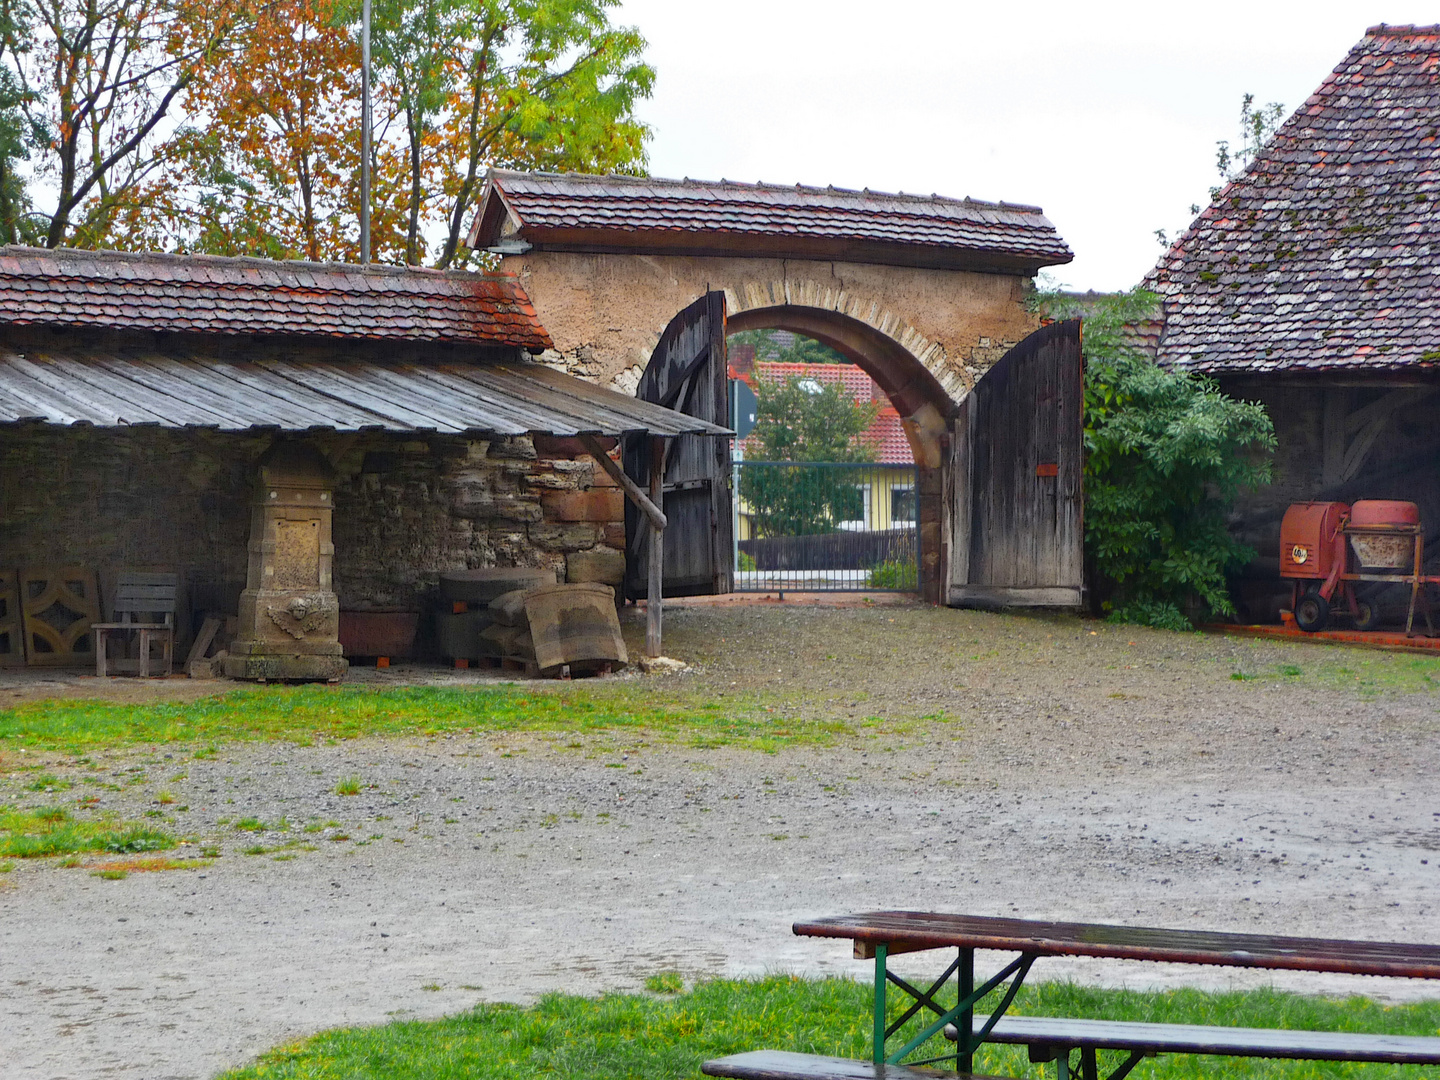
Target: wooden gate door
[(687, 373), (1016, 455)]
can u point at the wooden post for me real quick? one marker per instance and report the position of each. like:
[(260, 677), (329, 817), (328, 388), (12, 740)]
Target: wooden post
[(653, 602)]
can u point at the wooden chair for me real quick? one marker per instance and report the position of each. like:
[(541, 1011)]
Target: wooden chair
[(141, 594)]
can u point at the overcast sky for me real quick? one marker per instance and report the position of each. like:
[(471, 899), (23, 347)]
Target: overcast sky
[(1105, 114)]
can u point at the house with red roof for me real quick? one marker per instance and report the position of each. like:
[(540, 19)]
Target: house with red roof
[(887, 486)]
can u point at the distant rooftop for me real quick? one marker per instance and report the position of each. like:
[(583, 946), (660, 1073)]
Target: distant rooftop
[(577, 212), (208, 294), (1323, 256)]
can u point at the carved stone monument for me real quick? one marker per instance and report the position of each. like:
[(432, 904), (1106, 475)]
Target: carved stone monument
[(289, 614)]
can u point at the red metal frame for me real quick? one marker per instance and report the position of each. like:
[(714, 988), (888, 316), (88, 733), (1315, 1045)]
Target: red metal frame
[(1341, 579)]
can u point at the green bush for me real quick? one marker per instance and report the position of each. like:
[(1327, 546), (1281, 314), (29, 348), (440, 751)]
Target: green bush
[(1165, 455), (895, 574)]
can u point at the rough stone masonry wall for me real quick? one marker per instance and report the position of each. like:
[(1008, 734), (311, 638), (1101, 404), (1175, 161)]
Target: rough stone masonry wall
[(405, 509), (606, 312)]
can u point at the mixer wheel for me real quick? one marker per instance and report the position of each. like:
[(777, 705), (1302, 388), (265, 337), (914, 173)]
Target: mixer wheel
[(1312, 612), (1368, 615)]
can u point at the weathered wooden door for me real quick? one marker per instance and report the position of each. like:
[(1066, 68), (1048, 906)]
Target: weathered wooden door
[(1016, 456), (687, 373)]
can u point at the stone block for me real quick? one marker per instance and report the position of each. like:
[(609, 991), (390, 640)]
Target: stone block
[(614, 535), (600, 564), (517, 508), (599, 477), (556, 536), (597, 504)]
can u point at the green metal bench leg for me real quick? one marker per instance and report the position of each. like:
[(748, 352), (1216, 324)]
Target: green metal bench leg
[(881, 952), (965, 1059)]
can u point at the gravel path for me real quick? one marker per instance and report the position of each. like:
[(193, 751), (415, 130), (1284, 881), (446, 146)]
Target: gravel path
[(1077, 771)]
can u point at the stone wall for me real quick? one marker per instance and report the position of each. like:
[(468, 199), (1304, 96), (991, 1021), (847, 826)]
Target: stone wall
[(606, 312), (405, 508)]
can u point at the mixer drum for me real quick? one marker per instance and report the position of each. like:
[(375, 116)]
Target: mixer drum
[(1384, 552)]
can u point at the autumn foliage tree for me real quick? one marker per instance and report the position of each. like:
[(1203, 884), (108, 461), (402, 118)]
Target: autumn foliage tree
[(232, 126)]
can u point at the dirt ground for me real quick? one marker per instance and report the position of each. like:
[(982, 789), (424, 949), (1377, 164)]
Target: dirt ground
[(1066, 769)]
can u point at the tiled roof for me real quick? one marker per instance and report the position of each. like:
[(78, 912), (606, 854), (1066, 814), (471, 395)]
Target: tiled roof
[(204, 294), (598, 213), (1325, 254), (886, 435)]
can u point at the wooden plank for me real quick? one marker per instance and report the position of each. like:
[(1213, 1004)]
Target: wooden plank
[(1203, 1039), (939, 930), (632, 489), (1003, 596), (204, 639), (784, 1065)]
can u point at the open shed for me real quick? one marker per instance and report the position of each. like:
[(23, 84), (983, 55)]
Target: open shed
[(139, 395)]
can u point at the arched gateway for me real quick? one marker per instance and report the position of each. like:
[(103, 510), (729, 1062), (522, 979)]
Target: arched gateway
[(926, 294)]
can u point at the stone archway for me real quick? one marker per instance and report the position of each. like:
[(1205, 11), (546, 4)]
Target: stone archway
[(924, 405)]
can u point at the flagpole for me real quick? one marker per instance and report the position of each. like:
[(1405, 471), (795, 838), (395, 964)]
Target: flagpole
[(365, 133)]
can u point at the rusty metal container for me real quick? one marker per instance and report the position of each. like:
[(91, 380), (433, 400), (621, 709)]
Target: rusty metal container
[(1382, 552), (1310, 540)]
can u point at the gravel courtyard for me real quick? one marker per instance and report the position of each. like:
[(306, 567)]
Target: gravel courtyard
[(992, 764)]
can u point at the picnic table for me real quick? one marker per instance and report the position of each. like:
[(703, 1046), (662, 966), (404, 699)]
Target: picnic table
[(881, 935)]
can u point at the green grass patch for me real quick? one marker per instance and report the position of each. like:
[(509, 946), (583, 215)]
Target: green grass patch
[(305, 714), (643, 1037), (29, 834)]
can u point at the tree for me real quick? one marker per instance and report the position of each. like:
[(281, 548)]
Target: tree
[(804, 420), (90, 85), (1257, 127), (1165, 455), (803, 350), (271, 154)]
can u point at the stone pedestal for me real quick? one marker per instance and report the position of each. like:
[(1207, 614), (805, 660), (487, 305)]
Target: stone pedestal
[(289, 615)]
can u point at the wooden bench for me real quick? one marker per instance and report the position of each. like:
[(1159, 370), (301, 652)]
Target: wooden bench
[(784, 1065), (1054, 1038), (881, 935), (140, 594)]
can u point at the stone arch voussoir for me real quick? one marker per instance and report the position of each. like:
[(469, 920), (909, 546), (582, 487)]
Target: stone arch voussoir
[(930, 355)]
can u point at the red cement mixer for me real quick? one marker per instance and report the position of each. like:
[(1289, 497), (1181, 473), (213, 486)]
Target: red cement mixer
[(1326, 547)]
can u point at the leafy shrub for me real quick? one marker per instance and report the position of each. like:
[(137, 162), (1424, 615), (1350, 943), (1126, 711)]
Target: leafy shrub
[(1165, 455), (746, 562), (895, 574)]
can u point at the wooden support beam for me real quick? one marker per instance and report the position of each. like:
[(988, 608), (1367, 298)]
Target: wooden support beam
[(653, 602), (631, 489)]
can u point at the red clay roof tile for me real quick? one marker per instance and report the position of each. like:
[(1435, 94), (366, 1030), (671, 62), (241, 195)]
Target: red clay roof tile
[(216, 295), (1322, 255), (622, 210)]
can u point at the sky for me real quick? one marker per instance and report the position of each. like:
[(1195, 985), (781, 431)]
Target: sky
[(1105, 114)]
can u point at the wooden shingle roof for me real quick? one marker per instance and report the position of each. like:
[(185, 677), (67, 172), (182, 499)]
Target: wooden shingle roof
[(1325, 254), (204, 294), (574, 212)]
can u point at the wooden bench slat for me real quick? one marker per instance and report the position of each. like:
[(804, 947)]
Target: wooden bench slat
[(785, 1065), (914, 930), (1202, 1039)]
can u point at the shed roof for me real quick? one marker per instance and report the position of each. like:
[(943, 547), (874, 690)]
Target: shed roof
[(207, 294), (1325, 254), (115, 389), (576, 212)]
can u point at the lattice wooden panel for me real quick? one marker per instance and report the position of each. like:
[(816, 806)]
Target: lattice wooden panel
[(12, 640), (60, 604)]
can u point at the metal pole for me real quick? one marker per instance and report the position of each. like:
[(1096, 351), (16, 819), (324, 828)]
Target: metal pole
[(365, 133), (653, 602)]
